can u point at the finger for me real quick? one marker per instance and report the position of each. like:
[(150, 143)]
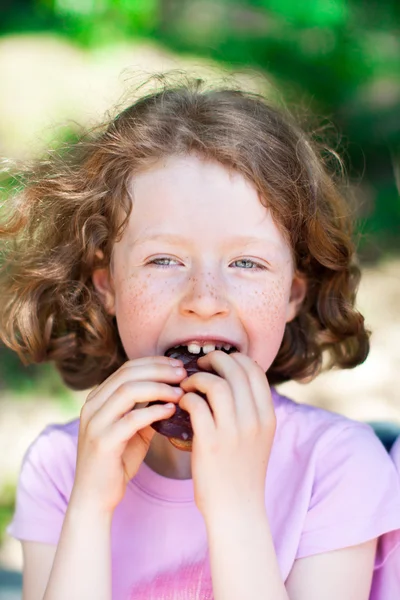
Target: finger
[(201, 419), (237, 377), (219, 397), (124, 399), (142, 362), (259, 384), (135, 450), (134, 421), (222, 364), (147, 372)]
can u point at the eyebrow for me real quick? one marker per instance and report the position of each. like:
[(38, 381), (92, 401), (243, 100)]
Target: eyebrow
[(179, 239)]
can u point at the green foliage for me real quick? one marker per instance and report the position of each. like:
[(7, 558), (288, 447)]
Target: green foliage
[(7, 504), (91, 21), (339, 58), (315, 13)]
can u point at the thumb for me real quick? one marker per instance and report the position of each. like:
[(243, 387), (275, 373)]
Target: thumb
[(136, 450)]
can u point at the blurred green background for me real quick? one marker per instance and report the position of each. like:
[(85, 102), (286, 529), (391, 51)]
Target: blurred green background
[(340, 59), (63, 63)]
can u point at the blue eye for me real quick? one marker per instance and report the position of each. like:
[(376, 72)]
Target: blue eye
[(162, 261), (248, 264)]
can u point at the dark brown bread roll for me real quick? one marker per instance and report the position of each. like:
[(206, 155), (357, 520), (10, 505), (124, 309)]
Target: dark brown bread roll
[(178, 428)]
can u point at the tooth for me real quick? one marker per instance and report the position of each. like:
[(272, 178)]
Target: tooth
[(194, 348), (227, 347), (209, 348)]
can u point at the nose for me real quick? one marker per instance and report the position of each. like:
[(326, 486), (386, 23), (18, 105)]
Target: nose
[(205, 296)]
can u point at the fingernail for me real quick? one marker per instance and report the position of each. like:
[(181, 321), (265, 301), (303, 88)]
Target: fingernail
[(178, 391), (175, 362), (179, 371), (169, 405)]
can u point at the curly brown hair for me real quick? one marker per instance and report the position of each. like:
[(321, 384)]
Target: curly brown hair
[(71, 204)]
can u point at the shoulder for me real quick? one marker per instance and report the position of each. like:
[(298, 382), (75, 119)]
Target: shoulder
[(51, 457), (317, 428), (338, 455), (53, 441)]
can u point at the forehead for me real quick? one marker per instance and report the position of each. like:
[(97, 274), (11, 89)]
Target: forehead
[(191, 196)]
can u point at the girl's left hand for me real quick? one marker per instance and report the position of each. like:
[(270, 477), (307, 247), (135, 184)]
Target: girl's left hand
[(233, 435)]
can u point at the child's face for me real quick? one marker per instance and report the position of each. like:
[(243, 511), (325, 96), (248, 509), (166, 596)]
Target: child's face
[(223, 269)]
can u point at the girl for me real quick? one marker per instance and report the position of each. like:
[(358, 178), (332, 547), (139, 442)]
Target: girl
[(386, 581), (202, 222)]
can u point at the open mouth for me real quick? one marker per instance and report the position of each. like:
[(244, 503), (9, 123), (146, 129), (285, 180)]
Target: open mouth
[(187, 353)]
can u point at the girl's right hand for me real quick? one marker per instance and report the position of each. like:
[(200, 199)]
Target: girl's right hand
[(113, 438)]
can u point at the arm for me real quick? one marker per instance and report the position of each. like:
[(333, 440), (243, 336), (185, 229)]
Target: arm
[(38, 560), (82, 563), (233, 435), (344, 574), (78, 567), (243, 559)]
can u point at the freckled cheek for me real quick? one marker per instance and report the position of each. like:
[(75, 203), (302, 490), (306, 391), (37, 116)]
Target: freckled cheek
[(267, 319), (140, 309), (271, 309)]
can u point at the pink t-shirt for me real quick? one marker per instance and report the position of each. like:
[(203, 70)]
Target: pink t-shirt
[(386, 584), (330, 484)]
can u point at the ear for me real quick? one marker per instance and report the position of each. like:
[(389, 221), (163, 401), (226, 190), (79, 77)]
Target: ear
[(103, 283), (297, 294)]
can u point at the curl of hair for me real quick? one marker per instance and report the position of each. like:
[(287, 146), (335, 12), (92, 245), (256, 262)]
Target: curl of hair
[(71, 205)]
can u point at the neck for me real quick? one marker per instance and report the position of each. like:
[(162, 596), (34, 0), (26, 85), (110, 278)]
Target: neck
[(163, 458)]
